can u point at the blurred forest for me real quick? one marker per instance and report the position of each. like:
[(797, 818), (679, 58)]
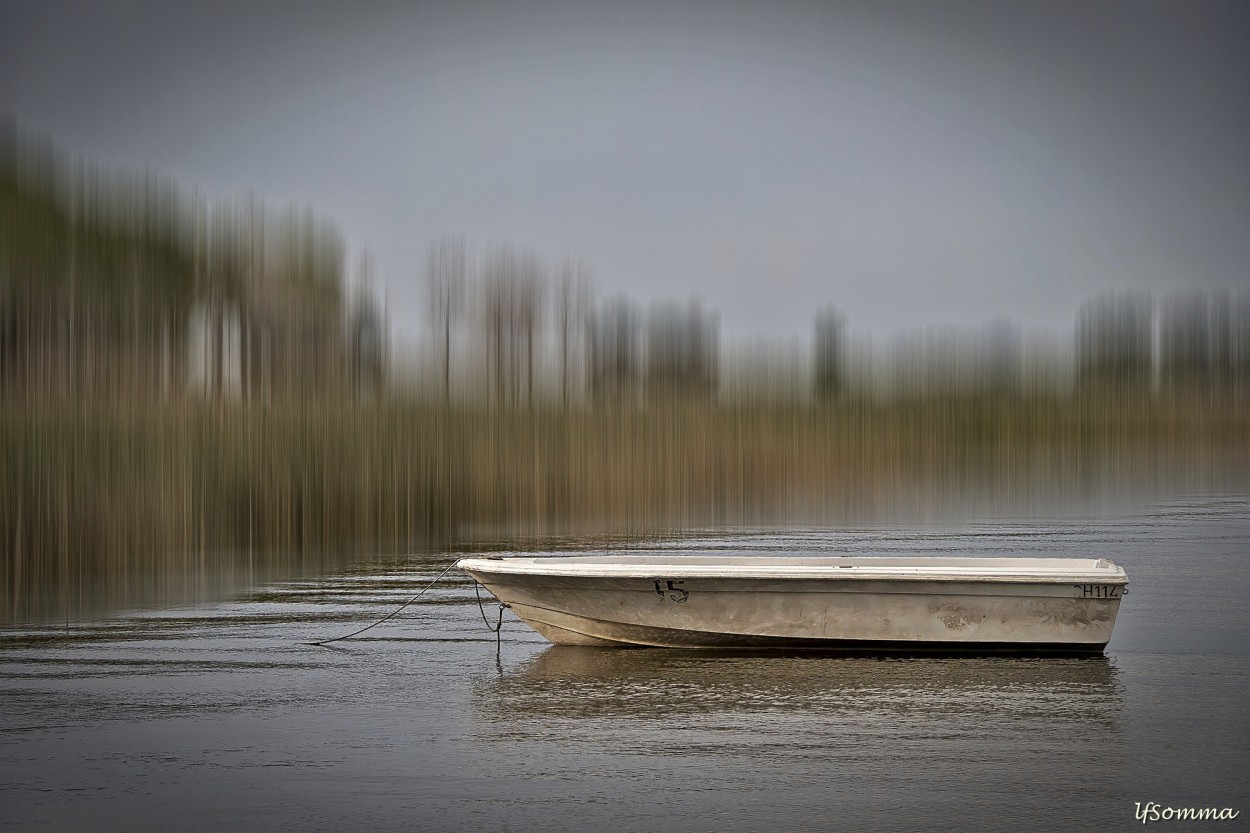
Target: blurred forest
[(185, 380)]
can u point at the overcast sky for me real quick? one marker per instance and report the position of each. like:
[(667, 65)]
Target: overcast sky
[(910, 163)]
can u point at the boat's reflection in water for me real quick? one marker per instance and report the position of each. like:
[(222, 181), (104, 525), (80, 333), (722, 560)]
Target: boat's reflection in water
[(567, 681), (855, 733)]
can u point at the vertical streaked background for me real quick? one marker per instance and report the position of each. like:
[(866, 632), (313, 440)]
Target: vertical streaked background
[(301, 278), (300, 301)]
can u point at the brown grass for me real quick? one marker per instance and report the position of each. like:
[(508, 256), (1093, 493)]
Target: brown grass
[(105, 495)]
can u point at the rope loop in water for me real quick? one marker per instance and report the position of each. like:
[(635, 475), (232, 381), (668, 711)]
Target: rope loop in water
[(477, 591)]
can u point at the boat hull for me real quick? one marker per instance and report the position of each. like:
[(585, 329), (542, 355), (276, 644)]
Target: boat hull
[(835, 613)]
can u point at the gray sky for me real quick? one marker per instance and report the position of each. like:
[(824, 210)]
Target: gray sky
[(911, 163)]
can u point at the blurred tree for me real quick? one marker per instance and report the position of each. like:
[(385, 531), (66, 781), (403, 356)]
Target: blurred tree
[(830, 356), (1239, 345), (512, 299), (1114, 344), (1185, 344), (233, 261), (682, 352), (366, 336), (529, 295), (446, 272), (1221, 343), (574, 301), (103, 272), (614, 352)]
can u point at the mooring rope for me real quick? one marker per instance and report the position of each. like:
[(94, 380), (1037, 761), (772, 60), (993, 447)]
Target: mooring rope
[(398, 610), (477, 591)]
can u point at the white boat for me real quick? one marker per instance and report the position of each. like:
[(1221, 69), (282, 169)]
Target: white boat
[(858, 604)]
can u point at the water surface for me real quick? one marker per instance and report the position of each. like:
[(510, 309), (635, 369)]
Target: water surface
[(218, 715)]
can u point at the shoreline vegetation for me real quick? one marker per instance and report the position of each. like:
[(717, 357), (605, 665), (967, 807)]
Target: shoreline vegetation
[(191, 386), (108, 498)]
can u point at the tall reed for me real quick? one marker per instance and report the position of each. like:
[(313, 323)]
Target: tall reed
[(108, 496)]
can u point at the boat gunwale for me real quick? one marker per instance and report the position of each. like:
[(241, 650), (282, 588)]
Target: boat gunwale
[(571, 567)]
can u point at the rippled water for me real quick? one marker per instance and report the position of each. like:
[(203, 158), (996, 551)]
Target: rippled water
[(219, 716)]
